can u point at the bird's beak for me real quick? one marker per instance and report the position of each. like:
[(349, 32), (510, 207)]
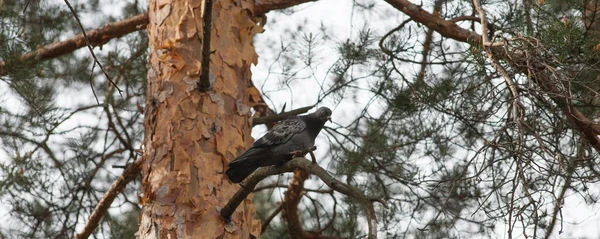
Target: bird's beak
[(329, 118)]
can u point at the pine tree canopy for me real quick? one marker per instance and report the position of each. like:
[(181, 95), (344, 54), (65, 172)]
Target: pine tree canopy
[(451, 118)]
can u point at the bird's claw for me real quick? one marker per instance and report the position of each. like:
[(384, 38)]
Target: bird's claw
[(298, 153)]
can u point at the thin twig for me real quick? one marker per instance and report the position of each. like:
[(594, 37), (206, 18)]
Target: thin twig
[(558, 205), (92, 83), (26, 5), (89, 45), (270, 218)]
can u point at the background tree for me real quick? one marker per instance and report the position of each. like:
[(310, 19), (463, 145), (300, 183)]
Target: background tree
[(463, 117)]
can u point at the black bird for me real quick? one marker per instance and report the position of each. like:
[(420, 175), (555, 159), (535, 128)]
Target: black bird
[(278, 146)]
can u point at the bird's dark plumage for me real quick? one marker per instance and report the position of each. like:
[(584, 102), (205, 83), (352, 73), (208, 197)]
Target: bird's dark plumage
[(276, 146)]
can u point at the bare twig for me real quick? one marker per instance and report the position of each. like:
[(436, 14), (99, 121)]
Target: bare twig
[(558, 205), (314, 169), (118, 185), (92, 83), (485, 39), (427, 45), (516, 104)]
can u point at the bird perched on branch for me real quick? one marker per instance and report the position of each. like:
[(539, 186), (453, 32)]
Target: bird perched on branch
[(288, 139)]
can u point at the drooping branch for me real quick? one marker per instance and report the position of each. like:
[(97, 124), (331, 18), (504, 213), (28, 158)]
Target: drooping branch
[(95, 37), (248, 186), (117, 187), (291, 200)]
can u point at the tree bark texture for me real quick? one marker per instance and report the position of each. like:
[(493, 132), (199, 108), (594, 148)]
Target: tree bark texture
[(190, 135)]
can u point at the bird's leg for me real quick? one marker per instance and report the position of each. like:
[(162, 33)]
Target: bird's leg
[(312, 156), (298, 153)]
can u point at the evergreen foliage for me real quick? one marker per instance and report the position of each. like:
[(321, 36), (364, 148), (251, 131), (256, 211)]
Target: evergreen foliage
[(58, 147)]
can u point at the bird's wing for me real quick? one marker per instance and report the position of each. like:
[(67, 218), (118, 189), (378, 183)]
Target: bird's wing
[(281, 132)]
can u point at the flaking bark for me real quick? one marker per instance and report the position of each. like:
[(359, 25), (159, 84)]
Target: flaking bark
[(191, 135)]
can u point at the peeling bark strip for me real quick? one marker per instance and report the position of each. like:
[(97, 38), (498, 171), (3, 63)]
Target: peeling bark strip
[(191, 135)]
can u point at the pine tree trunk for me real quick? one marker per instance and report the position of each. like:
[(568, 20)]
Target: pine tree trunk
[(191, 135)]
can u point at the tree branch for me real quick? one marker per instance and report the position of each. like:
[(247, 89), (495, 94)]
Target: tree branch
[(276, 185), (523, 64), (445, 28), (291, 200), (277, 117), (96, 37), (248, 186), (263, 6), (290, 208), (270, 218), (118, 185)]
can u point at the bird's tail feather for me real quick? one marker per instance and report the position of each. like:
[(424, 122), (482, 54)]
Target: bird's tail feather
[(243, 165)]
